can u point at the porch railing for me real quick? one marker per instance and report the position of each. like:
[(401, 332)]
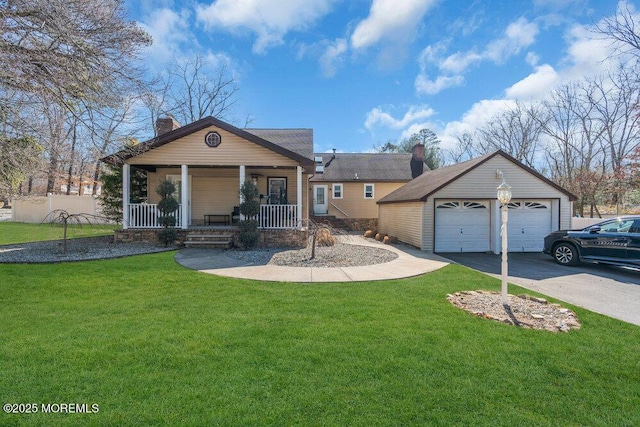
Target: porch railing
[(278, 216), (145, 215)]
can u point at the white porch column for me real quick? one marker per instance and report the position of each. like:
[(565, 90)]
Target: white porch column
[(242, 178), (299, 194), (184, 214), (126, 182)]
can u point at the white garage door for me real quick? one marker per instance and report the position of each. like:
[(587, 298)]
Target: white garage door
[(462, 226), (529, 221)]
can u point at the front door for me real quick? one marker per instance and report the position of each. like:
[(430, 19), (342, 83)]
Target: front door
[(320, 201)]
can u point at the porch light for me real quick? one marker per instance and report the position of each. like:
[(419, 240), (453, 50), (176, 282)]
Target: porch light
[(504, 193), (504, 197)]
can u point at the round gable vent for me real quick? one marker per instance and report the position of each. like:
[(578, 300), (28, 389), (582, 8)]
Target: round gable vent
[(212, 139)]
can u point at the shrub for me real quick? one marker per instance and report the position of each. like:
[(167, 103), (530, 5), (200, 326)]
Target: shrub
[(250, 208), (167, 206), (325, 238), (369, 233), (389, 240), (249, 234)]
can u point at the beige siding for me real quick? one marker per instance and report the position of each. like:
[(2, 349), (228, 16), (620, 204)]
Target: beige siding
[(353, 203), (428, 223), (566, 212), (402, 220), (481, 183), (191, 150), (216, 191)]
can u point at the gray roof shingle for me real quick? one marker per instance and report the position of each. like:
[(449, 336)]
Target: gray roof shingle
[(392, 167), (431, 181), (299, 141)]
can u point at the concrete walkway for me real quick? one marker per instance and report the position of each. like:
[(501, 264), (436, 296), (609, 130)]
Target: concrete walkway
[(410, 262)]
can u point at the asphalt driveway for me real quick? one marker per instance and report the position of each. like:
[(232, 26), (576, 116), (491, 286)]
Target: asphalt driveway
[(612, 291)]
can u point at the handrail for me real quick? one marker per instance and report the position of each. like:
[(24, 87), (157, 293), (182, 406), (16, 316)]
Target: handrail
[(341, 211)]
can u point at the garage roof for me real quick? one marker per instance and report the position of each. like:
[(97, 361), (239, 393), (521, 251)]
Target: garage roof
[(420, 188)]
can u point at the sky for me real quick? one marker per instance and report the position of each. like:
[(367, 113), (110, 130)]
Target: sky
[(361, 73)]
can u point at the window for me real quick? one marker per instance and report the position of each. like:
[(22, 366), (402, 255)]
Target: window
[(368, 191), (212, 139), (277, 191), (337, 191), (617, 226)]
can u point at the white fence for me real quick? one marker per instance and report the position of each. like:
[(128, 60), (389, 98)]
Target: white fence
[(35, 209), (578, 223)]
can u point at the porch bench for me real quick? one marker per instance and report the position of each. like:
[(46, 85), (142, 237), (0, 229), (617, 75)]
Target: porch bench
[(217, 219)]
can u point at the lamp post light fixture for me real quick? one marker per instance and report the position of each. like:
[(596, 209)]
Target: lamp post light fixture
[(504, 197)]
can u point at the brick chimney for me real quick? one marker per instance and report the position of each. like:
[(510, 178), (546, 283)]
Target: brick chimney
[(417, 160), (166, 124)]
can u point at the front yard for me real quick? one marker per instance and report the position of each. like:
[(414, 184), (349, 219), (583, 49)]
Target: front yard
[(152, 343)]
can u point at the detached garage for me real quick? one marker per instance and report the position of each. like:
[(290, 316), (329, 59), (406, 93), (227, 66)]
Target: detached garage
[(454, 209)]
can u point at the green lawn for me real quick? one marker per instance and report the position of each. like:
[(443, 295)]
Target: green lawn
[(19, 232), (153, 343)]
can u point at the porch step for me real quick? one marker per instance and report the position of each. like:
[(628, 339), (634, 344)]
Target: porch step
[(208, 240)]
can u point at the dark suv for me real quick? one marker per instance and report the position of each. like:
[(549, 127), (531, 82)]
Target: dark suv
[(615, 241)]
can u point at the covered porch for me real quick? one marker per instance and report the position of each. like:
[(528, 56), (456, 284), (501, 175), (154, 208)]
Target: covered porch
[(210, 196)]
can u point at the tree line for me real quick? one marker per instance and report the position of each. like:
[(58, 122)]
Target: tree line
[(73, 88)]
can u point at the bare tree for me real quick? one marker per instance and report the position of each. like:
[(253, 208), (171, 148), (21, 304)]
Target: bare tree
[(465, 148), (112, 128), (516, 131), (574, 150), (617, 97), (622, 28), (70, 50), (193, 90)]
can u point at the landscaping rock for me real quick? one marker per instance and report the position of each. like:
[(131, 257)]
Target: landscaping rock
[(523, 310)]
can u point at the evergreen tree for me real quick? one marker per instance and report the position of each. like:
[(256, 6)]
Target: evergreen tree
[(111, 197), (250, 208)]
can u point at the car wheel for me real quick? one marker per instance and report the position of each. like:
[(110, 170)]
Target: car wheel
[(565, 254)]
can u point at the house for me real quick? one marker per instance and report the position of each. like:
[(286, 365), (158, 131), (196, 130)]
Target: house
[(347, 186), (455, 209), (209, 160)]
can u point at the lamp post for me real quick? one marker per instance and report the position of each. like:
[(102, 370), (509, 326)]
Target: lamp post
[(504, 197)]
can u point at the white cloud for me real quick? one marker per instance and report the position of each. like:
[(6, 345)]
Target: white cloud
[(430, 87), (377, 118), (586, 54), (332, 56), (169, 29), (474, 118), (518, 35), (459, 62), (390, 19), (532, 59), (270, 20), (536, 85)]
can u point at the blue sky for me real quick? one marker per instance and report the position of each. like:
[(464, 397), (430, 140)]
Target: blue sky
[(363, 72)]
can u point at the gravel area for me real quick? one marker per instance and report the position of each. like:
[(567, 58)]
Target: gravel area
[(338, 255), (524, 311), (77, 250)]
